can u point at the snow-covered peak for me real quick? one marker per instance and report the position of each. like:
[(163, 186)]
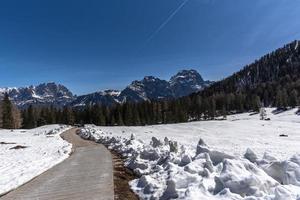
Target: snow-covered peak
[(150, 79), (183, 83), (146, 82), (148, 88), (186, 82), (186, 76), (45, 93), (7, 90), (105, 97), (114, 93)]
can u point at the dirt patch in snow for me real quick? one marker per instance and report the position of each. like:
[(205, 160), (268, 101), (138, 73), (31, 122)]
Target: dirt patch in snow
[(19, 147), (7, 143), (122, 176)]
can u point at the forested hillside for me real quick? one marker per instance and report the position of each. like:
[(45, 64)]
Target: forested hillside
[(275, 79)]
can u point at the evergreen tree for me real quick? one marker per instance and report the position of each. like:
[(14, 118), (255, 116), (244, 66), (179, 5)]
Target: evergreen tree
[(128, 114), (224, 112), (285, 98), (279, 101), (7, 113), (41, 119), (136, 116), (68, 116), (97, 116), (256, 103), (294, 98), (120, 121), (30, 121), (113, 120), (51, 118)]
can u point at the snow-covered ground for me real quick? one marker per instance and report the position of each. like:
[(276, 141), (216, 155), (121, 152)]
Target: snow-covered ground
[(238, 158), (42, 149)]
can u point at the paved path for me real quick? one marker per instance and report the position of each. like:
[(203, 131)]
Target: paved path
[(86, 175)]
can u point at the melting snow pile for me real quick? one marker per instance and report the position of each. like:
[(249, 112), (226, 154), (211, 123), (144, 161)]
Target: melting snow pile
[(168, 170), (24, 154)]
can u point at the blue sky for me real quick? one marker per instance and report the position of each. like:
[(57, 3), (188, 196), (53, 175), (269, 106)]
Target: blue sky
[(100, 44)]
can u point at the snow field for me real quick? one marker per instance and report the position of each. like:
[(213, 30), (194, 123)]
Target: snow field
[(238, 158), (25, 154)]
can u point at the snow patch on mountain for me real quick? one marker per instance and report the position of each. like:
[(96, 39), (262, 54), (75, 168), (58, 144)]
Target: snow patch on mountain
[(43, 94), (149, 88), (106, 97), (186, 82)]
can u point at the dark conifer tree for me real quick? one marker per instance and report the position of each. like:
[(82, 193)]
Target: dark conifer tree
[(120, 121), (256, 104), (294, 98), (69, 114), (31, 121), (7, 113)]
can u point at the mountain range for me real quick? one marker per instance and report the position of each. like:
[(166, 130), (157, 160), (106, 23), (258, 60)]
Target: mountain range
[(42, 94), (183, 83), (270, 81)]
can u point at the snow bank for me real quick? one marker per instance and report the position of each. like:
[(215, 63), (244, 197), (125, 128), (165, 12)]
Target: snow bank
[(25, 154), (177, 169), (206, 174)]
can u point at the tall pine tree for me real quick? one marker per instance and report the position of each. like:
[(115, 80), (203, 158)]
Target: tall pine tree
[(7, 113)]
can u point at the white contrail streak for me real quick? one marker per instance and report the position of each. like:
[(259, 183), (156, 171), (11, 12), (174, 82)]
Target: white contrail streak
[(166, 21)]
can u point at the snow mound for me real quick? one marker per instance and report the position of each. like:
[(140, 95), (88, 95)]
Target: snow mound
[(285, 172), (170, 170)]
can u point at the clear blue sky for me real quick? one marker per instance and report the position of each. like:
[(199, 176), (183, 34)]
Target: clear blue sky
[(99, 44)]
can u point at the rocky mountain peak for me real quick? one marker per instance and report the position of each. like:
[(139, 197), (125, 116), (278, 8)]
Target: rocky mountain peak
[(42, 94), (187, 76), (183, 83), (150, 79), (186, 82)]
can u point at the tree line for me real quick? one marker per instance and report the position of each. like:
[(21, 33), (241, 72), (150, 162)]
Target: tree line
[(10, 116), (190, 108)]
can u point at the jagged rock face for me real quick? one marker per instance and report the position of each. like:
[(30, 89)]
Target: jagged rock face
[(150, 88), (147, 89), (43, 94), (183, 83), (107, 97), (186, 82)]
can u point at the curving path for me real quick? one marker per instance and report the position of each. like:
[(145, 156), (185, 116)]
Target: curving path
[(87, 174)]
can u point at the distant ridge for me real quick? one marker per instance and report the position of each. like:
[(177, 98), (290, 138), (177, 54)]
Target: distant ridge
[(183, 83), (41, 95)]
